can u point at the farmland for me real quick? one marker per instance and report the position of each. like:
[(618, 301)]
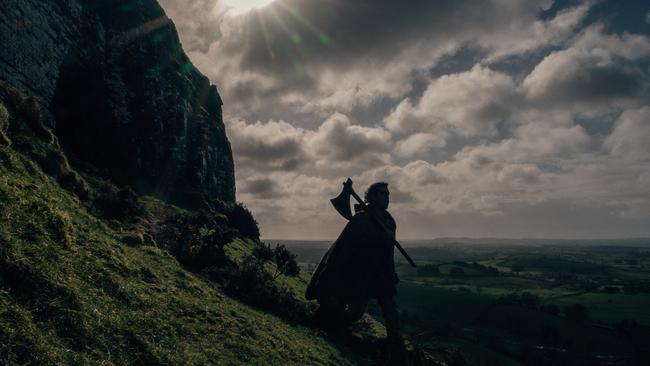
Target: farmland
[(524, 302)]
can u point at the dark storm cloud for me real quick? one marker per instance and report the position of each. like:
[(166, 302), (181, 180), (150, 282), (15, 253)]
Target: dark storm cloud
[(342, 56), (571, 78), (596, 68), (262, 187), (268, 146), (338, 139), (282, 38)]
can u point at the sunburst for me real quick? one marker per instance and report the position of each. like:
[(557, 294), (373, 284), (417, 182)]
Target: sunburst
[(239, 7)]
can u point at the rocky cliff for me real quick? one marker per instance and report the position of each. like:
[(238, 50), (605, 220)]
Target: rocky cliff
[(114, 85)]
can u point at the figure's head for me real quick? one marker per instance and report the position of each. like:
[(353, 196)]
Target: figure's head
[(377, 195)]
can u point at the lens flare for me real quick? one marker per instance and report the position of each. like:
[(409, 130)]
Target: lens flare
[(239, 7)]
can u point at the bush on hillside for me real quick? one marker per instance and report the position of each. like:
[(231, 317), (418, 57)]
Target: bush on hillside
[(242, 219), (285, 262), (263, 252), (254, 285), (122, 204), (196, 239)]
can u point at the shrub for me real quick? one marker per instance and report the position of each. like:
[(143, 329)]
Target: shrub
[(242, 219), (196, 239), (74, 183), (263, 252), (285, 262), (254, 285), (120, 204)]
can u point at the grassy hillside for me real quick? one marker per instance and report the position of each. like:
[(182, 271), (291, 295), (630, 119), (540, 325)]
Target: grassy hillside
[(78, 288)]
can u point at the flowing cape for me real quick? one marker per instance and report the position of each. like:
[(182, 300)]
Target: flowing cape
[(359, 263)]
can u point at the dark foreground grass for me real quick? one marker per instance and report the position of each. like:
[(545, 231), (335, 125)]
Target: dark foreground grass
[(71, 292)]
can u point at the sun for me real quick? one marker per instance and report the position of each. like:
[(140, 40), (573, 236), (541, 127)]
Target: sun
[(243, 6)]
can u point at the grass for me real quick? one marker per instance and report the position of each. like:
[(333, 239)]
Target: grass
[(612, 308), (434, 307), (72, 293)]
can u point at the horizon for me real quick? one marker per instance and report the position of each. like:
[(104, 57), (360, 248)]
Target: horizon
[(476, 239), (487, 119)]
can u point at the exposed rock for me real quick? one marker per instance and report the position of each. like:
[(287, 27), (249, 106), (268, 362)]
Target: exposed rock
[(114, 84)]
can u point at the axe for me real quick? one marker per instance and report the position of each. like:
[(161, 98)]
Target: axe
[(342, 204)]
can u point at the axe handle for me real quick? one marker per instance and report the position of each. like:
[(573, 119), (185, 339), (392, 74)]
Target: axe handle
[(395, 242)]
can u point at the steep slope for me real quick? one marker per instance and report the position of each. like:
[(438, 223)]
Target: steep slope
[(72, 291)]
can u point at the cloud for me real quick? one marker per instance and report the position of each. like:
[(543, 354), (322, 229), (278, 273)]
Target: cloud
[(416, 175), (338, 142), (533, 35), (262, 187), (275, 145), (337, 145), (538, 127), (594, 69), (531, 142), (419, 143), (336, 56), (471, 103), (631, 135), (519, 174)]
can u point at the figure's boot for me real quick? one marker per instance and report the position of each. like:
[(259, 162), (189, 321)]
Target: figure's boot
[(329, 316), (396, 353)]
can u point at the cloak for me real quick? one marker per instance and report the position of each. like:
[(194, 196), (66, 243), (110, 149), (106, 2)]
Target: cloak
[(359, 264)]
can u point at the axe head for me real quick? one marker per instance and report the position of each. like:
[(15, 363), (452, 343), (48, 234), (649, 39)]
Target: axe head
[(342, 202)]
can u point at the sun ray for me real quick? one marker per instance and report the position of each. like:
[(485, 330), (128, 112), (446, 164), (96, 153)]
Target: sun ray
[(294, 36), (265, 33), (240, 7), (283, 25), (322, 36)]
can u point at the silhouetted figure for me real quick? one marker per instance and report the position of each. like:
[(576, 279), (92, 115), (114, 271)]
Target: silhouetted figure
[(358, 267)]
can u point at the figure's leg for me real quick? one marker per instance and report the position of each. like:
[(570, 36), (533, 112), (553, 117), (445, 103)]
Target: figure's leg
[(355, 310), (329, 313), (395, 342), (391, 317)]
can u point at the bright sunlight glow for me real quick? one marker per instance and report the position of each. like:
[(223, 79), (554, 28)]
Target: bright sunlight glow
[(242, 6)]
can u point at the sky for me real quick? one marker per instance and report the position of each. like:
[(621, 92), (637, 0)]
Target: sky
[(487, 118)]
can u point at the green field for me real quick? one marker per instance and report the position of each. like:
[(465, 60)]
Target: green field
[(612, 308), (524, 314)]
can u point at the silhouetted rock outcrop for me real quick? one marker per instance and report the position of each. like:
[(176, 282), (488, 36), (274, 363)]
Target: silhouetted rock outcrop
[(113, 82)]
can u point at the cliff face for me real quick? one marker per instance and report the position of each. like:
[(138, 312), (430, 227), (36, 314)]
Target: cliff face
[(114, 85)]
